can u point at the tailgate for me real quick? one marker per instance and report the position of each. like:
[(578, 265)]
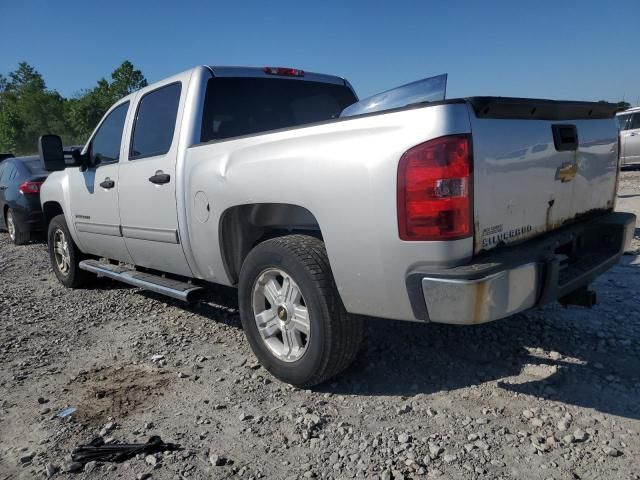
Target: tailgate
[(539, 164)]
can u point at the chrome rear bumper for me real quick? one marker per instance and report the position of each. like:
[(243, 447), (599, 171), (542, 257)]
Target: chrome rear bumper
[(482, 299), (502, 283)]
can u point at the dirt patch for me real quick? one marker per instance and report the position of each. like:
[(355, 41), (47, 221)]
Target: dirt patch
[(117, 391)]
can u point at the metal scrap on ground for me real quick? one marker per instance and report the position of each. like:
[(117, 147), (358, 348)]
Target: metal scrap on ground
[(119, 452)]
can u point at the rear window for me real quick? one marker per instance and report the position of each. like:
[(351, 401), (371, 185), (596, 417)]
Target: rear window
[(35, 167), (244, 106)]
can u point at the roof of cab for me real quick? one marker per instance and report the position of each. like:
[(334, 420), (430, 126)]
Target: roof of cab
[(258, 72), (629, 110)]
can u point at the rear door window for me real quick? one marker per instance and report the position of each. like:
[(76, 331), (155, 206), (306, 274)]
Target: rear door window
[(3, 168), (635, 121), (20, 171), (155, 123), (245, 106), (9, 172)]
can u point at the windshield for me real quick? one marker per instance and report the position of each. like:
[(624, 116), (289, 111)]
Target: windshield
[(244, 106), (432, 89)]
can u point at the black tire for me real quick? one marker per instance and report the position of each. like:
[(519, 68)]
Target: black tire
[(18, 234), (74, 277), (335, 336)]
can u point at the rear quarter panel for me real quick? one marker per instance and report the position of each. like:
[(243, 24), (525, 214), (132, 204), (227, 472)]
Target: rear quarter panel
[(344, 173)]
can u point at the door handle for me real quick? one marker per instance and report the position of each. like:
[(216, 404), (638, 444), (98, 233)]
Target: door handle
[(108, 183), (3, 187), (160, 177), (633, 134)]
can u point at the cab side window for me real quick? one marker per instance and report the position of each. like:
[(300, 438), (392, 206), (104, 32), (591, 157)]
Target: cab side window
[(105, 146), (155, 122), (635, 121)]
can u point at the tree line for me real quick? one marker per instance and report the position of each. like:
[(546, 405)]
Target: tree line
[(29, 109)]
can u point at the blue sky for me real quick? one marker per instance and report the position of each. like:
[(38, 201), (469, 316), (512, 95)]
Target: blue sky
[(554, 49)]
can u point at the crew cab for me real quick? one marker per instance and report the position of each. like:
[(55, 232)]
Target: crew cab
[(324, 210)]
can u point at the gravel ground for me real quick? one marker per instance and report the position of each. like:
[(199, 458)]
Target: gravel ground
[(553, 393)]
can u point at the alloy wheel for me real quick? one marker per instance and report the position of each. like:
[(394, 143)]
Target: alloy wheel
[(281, 315), (61, 252), (11, 225)]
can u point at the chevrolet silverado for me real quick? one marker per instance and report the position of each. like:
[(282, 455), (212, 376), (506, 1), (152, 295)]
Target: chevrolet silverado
[(324, 210)]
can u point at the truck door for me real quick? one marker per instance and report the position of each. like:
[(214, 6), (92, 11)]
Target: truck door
[(94, 191), (630, 141), (147, 195)]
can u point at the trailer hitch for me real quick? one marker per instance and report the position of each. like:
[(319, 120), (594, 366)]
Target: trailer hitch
[(582, 297)]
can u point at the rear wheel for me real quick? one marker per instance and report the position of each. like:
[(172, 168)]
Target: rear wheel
[(292, 314), (65, 255), (18, 233)]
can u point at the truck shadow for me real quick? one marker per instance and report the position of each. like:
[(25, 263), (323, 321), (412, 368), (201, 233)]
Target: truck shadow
[(218, 303), (407, 360), (587, 358)]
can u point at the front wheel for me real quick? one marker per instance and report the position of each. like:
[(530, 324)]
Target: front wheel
[(65, 255), (292, 314)]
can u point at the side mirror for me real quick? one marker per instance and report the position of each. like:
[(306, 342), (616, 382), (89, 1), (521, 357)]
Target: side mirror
[(51, 153), (78, 159)]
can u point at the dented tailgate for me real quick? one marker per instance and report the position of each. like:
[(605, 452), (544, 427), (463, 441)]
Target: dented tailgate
[(539, 165)]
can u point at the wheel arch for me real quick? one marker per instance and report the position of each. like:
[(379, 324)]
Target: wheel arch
[(50, 210), (244, 226)]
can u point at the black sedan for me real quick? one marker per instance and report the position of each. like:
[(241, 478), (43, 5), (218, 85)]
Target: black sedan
[(20, 210)]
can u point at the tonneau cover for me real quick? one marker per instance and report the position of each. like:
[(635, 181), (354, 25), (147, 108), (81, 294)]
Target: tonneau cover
[(539, 109)]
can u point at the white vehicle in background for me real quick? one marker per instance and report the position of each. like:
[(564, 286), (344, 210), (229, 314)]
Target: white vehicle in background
[(324, 211), (629, 124)]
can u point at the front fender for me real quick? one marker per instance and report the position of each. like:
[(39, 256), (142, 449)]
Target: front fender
[(56, 190)]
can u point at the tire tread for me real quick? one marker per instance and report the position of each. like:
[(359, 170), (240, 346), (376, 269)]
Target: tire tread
[(345, 331)]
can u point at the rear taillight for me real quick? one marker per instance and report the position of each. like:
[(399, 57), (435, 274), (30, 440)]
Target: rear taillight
[(283, 72), (29, 188), (434, 190)]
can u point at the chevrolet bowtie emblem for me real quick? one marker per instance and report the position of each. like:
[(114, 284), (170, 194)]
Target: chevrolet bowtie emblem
[(566, 172)]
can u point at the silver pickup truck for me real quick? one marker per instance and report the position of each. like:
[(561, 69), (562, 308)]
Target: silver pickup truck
[(323, 210)]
